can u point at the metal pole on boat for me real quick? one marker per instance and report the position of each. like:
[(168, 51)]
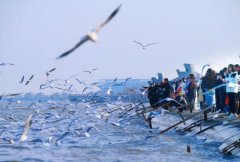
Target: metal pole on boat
[(150, 122), (193, 115), (205, 115)]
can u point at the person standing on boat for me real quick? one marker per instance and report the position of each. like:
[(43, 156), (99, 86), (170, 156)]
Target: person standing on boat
[(200, 96), (153, 95), (167, 88), (164, 90), (232, 80), (190, 91), (177, 83), (237, 67), (208, 82), (180, 88), (181, 101), (220, 93)]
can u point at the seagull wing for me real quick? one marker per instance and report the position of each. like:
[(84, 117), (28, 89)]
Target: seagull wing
[(72, 76), (108, 19), (27, 125), (81, 82), (14, 94), (4, 64), (83, 40), (87, 71), (27, 82), (51, 70), (128, 79), (84, 89), (115, 80), (78, 81), (151, 44), (31, 77), (138, 43), (22, 80)]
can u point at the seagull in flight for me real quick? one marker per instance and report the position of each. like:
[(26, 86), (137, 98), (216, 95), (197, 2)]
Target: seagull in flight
[(115, 80), (27, 126), (87, 71), (29, 80), (92, 35), (127, 79), (90, 71), (144, 46), (5, 64), (50, 71), (124, 82), (22, 80), (94, 69), (85, 89), (13, 94)]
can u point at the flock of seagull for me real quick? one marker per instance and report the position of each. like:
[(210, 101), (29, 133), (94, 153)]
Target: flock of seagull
[(52, 122), (92, 36), (58, 120), (96, 104)]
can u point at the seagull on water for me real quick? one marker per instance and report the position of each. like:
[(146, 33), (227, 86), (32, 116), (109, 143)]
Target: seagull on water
[(144, 46), (92, 36), (109, 91), (11, 101)]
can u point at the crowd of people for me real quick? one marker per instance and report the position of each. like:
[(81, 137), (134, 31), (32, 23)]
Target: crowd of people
[(220, 90)]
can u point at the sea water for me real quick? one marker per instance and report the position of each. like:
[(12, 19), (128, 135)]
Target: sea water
[(86, 132)]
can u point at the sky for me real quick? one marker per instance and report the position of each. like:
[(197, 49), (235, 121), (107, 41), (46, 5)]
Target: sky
[(34, 32)]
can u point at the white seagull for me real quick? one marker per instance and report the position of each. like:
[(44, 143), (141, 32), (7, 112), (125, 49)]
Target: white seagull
[(92, 36), (27, 125)]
